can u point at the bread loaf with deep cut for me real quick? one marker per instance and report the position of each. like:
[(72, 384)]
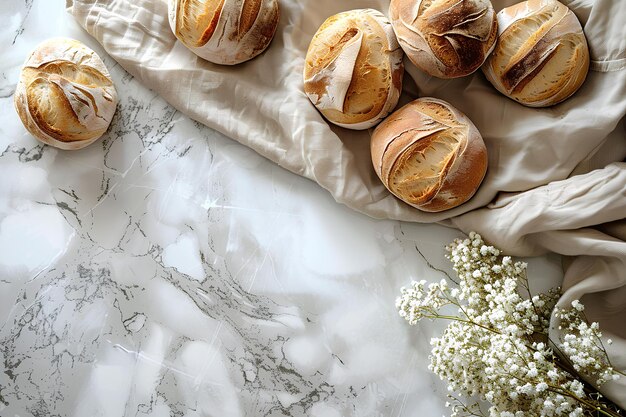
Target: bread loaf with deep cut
[(541, 57), (353, 69), (65, 96), (445, 38), (225, 32), (430, 155)]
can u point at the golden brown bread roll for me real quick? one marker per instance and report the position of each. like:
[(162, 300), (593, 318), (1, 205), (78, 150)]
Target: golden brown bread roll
[(225, 32), (445, 38), (353, 69), (541, 57), (430, 155), (65, 96)]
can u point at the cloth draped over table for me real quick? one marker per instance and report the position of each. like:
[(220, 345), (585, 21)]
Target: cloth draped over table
[(556, 180)]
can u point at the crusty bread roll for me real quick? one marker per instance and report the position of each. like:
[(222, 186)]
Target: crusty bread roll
[(225, 32), (541, 57), (445, 38), (430, 155), (65, 96), (353, 69)]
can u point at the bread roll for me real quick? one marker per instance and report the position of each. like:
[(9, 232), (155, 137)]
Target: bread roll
[(65, 96), (225, 32), (541, 57), (445, 38), (353, 69), (430, 155)]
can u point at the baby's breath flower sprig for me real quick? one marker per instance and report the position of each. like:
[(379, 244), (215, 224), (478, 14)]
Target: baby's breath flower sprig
[(496, 346), (582, 345)]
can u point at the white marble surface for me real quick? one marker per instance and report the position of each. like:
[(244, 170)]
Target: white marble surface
[(168, 271)]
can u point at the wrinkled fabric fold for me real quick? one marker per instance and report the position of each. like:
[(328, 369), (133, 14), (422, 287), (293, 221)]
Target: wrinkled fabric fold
[(556, 181)]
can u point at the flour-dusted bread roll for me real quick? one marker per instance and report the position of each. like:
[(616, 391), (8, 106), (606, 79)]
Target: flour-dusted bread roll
[(445, 38), (541, 57), (353, 69), (430, 155), (65, 96), (225, 32)]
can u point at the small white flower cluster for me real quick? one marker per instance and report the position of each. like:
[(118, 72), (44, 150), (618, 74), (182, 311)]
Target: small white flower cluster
[(418, 301), (582, 345), (497, 346)]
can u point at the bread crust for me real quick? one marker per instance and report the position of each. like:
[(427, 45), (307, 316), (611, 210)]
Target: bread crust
[(65, 96), (353, 69), (541, 57), (445, 38), (225, 32), (430, 155)]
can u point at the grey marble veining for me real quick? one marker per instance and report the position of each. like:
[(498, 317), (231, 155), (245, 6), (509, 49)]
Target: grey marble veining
[(168, 271)]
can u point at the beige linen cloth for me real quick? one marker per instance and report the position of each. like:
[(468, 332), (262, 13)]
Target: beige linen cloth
[(556, 179)]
